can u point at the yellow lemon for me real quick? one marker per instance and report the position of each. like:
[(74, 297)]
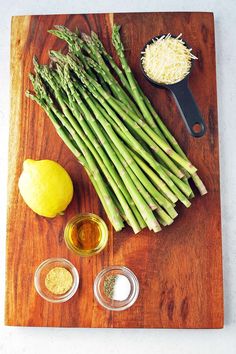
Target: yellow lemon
[(46, 187)]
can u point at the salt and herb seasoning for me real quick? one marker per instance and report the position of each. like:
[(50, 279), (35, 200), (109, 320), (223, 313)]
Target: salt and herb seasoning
[(117, 287)]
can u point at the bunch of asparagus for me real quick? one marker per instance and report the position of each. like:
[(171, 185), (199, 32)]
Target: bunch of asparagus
[(136, 166)]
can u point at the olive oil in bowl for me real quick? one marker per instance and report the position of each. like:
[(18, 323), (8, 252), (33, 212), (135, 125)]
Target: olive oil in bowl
[(86, 234)]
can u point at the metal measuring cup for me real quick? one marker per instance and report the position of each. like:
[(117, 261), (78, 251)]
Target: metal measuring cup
[(183, 97)]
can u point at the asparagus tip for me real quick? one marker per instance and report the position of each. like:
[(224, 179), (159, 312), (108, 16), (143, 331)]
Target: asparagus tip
[(28, 93), (31, 77), (61, 28), (116, 37), (35, 60), (116, 27), (86, 37), (77, 31), (94, 35)]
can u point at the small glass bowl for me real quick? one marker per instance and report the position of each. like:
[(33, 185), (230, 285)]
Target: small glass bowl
[(79, 219), (41, 273), (107, 302)]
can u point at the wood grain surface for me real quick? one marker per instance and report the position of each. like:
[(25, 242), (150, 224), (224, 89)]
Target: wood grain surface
[(180, 268)]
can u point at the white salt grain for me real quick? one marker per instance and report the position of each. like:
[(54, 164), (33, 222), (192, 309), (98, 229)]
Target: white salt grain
[(121, 288)]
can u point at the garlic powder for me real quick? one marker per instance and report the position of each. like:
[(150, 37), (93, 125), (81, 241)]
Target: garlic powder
[(58, 280)]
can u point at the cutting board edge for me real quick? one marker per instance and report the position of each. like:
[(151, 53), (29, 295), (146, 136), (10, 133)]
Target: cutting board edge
[(114, 13), (16, 49)]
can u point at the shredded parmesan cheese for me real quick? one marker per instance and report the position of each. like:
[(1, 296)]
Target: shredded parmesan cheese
[(167, 60)]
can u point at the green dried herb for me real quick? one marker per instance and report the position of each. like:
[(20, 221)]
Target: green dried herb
[(109, 284)]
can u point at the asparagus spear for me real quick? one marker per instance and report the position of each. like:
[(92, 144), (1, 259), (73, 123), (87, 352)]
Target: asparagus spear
[(141, 99), (91, 169), (117, 90), (103, 160), (149, 172), (137, 119), (164, 133), (139, 201), (160, 170), (133, 161), (100, 115), (160, 147), (76, 45), (165, 217)]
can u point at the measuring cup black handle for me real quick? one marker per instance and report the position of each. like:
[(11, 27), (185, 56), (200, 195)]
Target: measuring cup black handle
[(188, 108)]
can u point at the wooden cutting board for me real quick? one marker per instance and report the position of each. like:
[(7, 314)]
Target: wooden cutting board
[(179, 269)]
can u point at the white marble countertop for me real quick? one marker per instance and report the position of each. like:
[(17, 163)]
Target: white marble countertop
[(37, 340)]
